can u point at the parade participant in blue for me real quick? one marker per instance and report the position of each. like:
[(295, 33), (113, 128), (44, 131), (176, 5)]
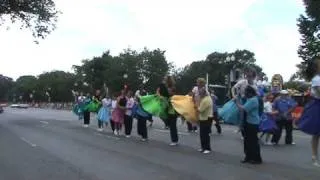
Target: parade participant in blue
[(86, 112), (284, 105), (250, 126), (78, 108), (268, 123), (229, 113), (104, 114), (215, 116), (310, 119)]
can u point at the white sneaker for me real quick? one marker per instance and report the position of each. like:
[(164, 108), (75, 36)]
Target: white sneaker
[(143, 139), (268, 143), (85, 125), (206, 152), (173, 144), (99, 129), (128, 136), (115, 132), (316, 163)]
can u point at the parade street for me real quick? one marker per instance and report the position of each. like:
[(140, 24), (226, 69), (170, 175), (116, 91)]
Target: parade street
[(37, 144)]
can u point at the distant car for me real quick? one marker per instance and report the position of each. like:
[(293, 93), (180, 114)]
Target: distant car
[(23, 106), (1, 109)]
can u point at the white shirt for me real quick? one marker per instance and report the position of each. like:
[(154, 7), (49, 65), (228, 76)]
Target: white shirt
[(114, 104), (267, 107), (129, 106), (81, 98), (195, 91), (315, 83), (106, 102), (241, 86)]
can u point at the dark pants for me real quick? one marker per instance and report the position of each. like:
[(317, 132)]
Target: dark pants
[(191, 127), (172, 120), (283, 123), (251, 143), (216, 119), (86, 117), (142, 127), (112, 125), (204, 134), (128, 124), (100, 124), (166, 123)]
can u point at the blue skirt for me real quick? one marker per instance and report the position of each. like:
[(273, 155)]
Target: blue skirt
[(310, 118), (230, 113), (104, 114), (268, 124)]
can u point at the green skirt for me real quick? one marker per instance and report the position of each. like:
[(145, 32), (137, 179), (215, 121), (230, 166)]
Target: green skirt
[(155, 105)]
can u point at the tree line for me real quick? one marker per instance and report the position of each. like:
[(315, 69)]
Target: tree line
[(134, 69)]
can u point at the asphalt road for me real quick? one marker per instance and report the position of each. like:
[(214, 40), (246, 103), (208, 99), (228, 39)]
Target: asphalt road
[(40, 144)]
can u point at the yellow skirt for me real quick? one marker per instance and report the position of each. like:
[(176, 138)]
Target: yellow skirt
[(185, 106)]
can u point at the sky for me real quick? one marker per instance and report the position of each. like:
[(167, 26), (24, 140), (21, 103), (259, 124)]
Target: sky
[(188, 30)]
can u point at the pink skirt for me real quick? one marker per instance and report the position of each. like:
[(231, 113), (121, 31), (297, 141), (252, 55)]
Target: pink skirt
[(118, 115)]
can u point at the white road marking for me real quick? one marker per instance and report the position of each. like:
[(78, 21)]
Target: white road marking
[(28, 142), (44, 122)]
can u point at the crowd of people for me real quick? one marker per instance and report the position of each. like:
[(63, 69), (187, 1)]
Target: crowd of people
[(253, 110)]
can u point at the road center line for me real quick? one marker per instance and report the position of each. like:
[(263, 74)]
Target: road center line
[(28, 142)]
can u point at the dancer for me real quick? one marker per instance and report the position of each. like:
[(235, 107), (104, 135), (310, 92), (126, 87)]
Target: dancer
[(104, 113), (268, 125), (128, 115), (215, 116), (118, 113), (172, 119), (284, 106), (205, 110), (310, 119), (113, 107), (229, 113), (250, 126), (86, 112)]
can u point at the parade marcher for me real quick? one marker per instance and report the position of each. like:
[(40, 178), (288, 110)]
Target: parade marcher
[(215, 116), (268, 124), (86, 112), (205, 110), (284, 106), (229, 112), (310, 119), (128, 120), (172, 119), (250, 126), (118, 113), (104, 114)]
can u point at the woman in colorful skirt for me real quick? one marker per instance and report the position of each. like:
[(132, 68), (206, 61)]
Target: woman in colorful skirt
[(118, 113), (104, 113), (310, 119)]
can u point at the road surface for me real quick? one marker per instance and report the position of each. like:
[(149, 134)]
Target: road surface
[(40, 144)]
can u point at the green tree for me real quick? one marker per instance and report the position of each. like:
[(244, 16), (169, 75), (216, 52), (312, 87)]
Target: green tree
[(217, 65), (57, 85), (309, 28), (24, 86), (39, 16), (6, 85)]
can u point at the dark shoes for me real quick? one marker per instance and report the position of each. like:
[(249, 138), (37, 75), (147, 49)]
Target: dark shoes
[(251, 162)]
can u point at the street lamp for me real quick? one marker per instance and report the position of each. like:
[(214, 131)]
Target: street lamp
[(125, 76)]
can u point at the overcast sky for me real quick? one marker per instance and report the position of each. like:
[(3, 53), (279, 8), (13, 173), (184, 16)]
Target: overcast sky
[(187, 29)]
